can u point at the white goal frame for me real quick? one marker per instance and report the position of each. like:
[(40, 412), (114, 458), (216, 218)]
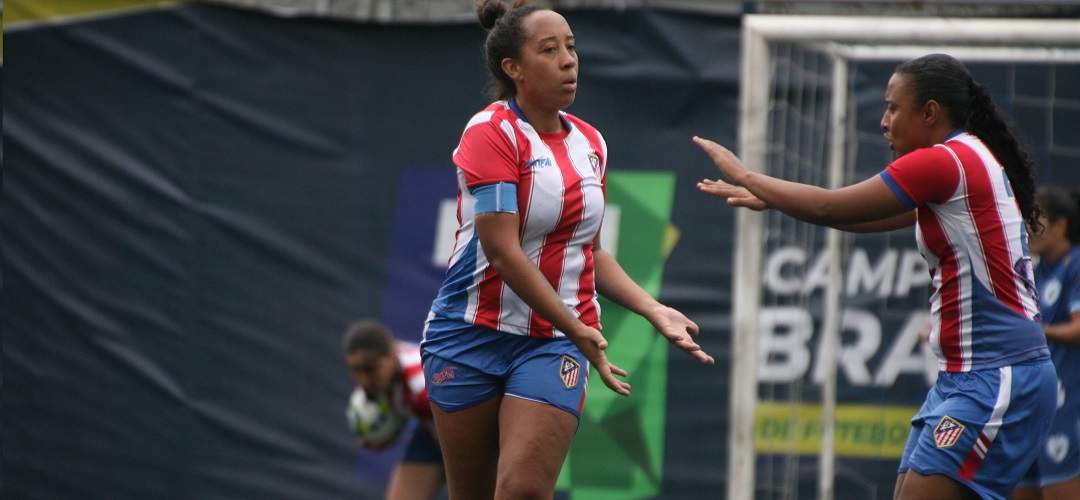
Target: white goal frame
[(842, 39)]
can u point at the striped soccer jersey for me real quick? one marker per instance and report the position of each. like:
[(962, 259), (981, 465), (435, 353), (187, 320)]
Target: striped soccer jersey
[(560, 204), (408, 393), (969, 229)]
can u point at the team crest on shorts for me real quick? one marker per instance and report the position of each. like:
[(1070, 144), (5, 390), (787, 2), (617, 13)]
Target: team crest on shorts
[(569, 372), (946, 433)]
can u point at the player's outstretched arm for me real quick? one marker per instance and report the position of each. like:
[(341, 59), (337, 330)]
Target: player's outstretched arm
[(738, 196), (498, 234), (612, 282), (866, 202)]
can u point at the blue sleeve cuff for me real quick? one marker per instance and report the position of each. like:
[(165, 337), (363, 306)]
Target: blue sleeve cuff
[(1074, 306), (498, 197), (897, 190)]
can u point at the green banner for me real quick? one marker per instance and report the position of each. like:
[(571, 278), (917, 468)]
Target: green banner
[(619, 448)]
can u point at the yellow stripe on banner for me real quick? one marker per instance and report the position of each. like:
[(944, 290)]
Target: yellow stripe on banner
[(27, 11), (864, 431), (671, 237)]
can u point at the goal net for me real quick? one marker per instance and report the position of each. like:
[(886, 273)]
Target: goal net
[(827, 363)]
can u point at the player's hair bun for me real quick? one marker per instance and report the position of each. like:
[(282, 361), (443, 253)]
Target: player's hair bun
[(489, 11)]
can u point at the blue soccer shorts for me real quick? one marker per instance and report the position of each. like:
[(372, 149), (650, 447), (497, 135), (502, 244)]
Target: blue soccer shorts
[(983, 428), (465, 365), (1059, 457), (423, 448)]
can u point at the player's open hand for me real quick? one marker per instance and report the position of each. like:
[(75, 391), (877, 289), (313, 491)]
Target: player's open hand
[(679, 330), (737, 196), (592, 344), (725, 160)]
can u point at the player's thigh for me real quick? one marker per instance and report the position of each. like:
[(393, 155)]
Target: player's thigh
[(1067, 489), (899, 486), (534, 438), (469, 439), (915, 486), (415, 481), (1026, 493)]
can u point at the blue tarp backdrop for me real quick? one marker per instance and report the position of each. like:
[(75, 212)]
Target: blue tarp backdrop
[(197, 200)]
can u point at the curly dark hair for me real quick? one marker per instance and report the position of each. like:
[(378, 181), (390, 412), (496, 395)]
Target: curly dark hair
[(367, 335)]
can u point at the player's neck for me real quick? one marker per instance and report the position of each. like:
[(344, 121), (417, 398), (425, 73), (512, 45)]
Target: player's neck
[(942, 133), (543, 120), (1054, 253)]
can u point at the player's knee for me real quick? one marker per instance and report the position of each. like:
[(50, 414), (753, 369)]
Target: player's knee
[(523, 487)]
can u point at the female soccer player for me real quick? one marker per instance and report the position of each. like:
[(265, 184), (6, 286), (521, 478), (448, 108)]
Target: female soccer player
[(1056, 471), (389, 369), (510, 337), (967, 184)]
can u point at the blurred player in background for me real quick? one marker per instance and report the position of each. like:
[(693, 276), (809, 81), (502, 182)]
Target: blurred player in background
[(390, 389), (969, 186), (1056, 471), (515, 325)]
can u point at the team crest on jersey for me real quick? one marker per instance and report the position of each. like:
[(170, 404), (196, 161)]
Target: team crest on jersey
[(594, 162), (1051, 292), (947, 432), (569, 371)]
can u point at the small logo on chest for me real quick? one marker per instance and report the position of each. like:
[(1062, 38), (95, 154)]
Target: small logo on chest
[(539, 163)]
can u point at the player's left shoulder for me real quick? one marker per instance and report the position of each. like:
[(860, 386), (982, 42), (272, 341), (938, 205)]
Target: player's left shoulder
[(1072, 270), (592, 135), (585, 127)]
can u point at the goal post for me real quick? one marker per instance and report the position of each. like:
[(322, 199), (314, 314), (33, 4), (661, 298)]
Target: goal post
[(840, 41)]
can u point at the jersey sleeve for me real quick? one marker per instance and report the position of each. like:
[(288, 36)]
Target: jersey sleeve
[(487, 154), (421, 406), (416, 397), (928, 175)]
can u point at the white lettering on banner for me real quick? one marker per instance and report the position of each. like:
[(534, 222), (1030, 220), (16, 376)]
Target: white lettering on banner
[(854, 356), (885, 277), (784, 355), (782, 352), (914, 272), (775, 281), (609, 229), (864, 277), (901, 357), (446, 224)]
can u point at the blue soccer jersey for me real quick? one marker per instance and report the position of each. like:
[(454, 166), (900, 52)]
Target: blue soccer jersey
[(1059, 297)]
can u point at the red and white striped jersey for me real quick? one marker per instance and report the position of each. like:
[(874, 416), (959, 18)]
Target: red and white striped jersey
[(559, 180), (970, 230), (408, 393)]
